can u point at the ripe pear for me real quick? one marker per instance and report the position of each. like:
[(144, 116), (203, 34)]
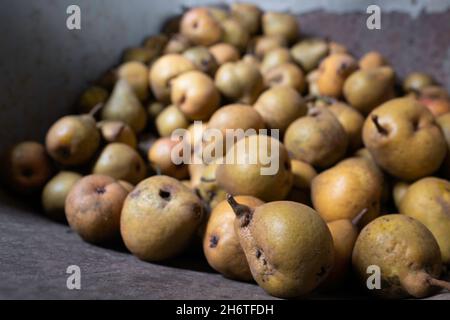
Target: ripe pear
[(139, 54), (280, 106), (73, 140), (55, 193), (136, 74), (372, 59), (224, 52), (93, 208), (200, 26), (444, 123), (178, 43), (436, 99), (195, 95), (221, 243), (164, 70), (405, 252), (203, 59), (159, 218), (235, 33), (117, 131), (208, 188), (156, 42), (309, 52), (416, 81), (347, 189), (26, 167), (274, 58), (288, 246), (404, 139), (351, 120), (282, 25), (368, 88), (259, 166), (428, 200), (154, 108), (121, 162), (249, 15), (317, 138), (239, 81), (91, 97), (260, 45), (123, 105), (170, 119), (333, 71), (160, 157), (286, 74)]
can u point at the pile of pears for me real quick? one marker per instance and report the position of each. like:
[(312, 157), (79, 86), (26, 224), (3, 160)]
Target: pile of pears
[(363, 158)]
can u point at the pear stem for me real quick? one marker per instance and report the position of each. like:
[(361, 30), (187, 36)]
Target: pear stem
[(96, 109), (242, 211), (439, 283), (356, 220), (379, 127)]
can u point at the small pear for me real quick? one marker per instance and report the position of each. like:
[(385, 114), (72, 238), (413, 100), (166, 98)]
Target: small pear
[(288, 246), (136, 74), (200, 26), (416, 81), (73, 140), (268, 177), (121, 162), (203, 59), (345, 190), (367, 89), (123, 105), (351, 120), (221, 243), (372, 59), (55, 193), (309, 52), (286, 74), (91, 97), (159, 218), (117, 131), (234, 33), (262, 44), (428, 200), (405, 252), (333, 71), (224, 52), (274, 58), (160, 157), (170, 119), (282, 25), (248, 14), (404, 139), (280, 106), (317, 138)]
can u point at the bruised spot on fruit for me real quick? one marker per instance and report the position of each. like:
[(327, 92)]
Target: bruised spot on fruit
[(63, 151), (197, 210), (258, 254), (213, 241), (343, 68), (100, 190), (278, 78), (383, 131), (322, 272), (137, 167), (204, 62), (166, 195), (135, 194)]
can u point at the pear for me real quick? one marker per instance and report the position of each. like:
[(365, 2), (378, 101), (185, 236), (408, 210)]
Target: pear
[(203, 59), (123, 105), (26, 167), (428, 200), (73, 140), (259, 166), (274, 58), (221, 243), (139, 54), (159, 218), (154, 108), (170, 119), (248, 14), (195, 95), (55, 193), (117, 131), (436, 99), (347, 189), (286, 74), (208, 188), (404, 140), (405, 252), (136, 74), (93, 208), (260, 45), (160, 157), (288, 246), (282, 25), (416, 81), (156, 43), (165, 69), (309, 52), (444, 123), (399, 191), (121, 162), (317, 138), (351, 120), (303, 174), (372, 59), (367, 89), (239, 81), (200, 26), (333, 71), (178, 43), (224, 52), (234, 33), (280, 106)]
